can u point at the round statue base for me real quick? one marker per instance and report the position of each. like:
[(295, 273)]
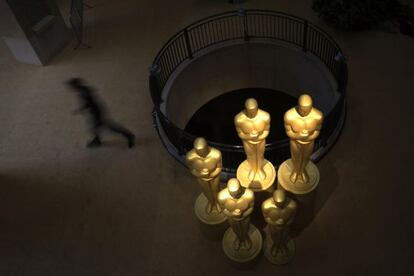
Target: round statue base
[(299, 187), (242, 255), (256, 185), (212, 218), (283, 256)]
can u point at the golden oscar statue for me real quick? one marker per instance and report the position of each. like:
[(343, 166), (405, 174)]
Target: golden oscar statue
[(205, 163), (279, 212), (252, 125), (242, 242), (303, 123)]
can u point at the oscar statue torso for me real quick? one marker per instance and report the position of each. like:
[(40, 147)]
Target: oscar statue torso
[(302, 131), (278, 220), (253, 132), (238, 211)]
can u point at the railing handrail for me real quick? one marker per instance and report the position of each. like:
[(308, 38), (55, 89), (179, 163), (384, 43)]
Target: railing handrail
[(248, 11)]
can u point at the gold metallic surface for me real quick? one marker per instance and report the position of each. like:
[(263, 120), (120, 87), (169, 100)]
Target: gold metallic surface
[(252, 125), (302, 124), (279, 212), (242, 242), (285, 171), (205, 163)]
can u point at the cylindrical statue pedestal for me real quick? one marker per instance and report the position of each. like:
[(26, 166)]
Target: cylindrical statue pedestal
[(299, 187), (242, 254), (255, 184), (213, 218), (282, 255), (212, 225)]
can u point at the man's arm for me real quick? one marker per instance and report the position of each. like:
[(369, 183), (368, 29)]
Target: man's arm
[(80, 109)]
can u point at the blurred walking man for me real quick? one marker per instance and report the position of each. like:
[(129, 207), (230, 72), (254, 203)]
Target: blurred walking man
[(97, 114)]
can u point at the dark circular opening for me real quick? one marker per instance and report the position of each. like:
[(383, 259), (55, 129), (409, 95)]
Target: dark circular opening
[(214, 120)]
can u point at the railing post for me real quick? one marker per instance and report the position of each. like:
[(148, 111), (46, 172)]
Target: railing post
[(342, 72), (154, 85), (242, 13), (154, 119), (187, 43), (305, 36)]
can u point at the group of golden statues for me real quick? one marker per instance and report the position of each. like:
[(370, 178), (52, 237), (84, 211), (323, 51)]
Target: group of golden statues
[(242, 242)]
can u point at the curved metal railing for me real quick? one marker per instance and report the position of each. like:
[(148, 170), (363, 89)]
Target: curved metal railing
[(243, 26)]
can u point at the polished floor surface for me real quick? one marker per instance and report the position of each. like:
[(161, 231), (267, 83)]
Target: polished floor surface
[(69, 210)]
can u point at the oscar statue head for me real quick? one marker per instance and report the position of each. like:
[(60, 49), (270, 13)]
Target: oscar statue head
[(251, 107), (201, 147), (235, 190), (279, 196), (304, 105)]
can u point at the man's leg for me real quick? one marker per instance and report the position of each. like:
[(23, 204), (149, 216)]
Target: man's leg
[(96, 141), (121, 130)]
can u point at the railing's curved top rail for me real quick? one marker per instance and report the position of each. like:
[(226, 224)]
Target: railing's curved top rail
[(245, 25)]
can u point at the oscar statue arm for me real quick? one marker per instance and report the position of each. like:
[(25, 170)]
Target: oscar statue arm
[(266, 209), (292, 207), (291, 134), (221, 199), (250, 197), (239, 130), (241, 134), (317, 131), (189, 161), (266, 131), (219, 165), (288, 127), (227, 213)]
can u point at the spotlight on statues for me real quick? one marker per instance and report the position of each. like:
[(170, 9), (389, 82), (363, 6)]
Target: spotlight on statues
[(242, 242), (205, 164), (279, 212), (303, 123), (252, 125)]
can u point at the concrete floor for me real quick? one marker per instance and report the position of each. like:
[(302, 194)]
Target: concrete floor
[(68, 210)]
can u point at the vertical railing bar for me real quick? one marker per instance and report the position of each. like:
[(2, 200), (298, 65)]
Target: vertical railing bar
[(179, 51), (216, 36), (176, 55), (162, 71), (188, 44), (169, 59), (326, 52), (225, 29), (210, 37), (203, 35), (235, 29), (305, 36), (221, 29), (278, 27), (165, 69), (198, 38), (183, 48), (245, 26)]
